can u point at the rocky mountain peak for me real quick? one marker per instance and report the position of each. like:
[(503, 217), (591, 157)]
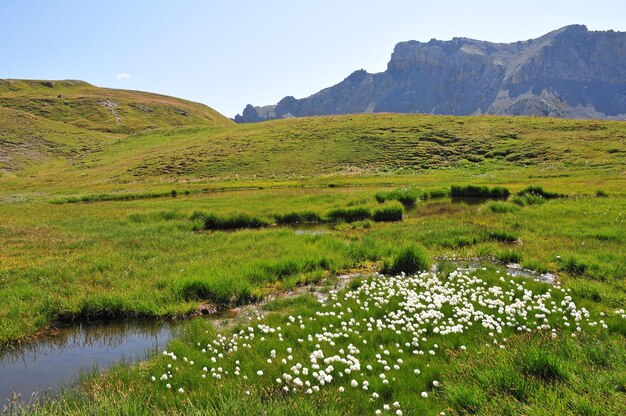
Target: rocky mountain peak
[(569, 72)]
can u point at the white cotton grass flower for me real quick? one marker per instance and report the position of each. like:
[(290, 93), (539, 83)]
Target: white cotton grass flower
[(419, 311)]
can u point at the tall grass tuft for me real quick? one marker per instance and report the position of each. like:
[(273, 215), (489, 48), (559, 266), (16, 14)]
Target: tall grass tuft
[(305, 217), (473, 191), (390, 212), (406, 196), (233, 222), (540, 192), (500, 207), (409, 260), (349, 214)]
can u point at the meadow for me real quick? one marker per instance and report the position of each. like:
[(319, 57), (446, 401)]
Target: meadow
[(159, 224)]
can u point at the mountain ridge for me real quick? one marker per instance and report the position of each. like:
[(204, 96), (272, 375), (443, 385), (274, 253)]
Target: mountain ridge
[(570, 72)]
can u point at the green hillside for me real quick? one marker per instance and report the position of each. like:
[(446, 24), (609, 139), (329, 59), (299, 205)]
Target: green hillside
[(28, 140), (102, 109), (343, 149)]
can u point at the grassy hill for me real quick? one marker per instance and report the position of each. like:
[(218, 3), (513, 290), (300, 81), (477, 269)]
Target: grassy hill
[(343, 149), (102, 109)]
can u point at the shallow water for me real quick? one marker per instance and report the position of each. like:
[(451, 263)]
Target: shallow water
[(32, 369)]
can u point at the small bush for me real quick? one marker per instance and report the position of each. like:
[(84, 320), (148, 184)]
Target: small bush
[(350, 214), (473, 191), (306, 217), (233, 222), (391, 212), (409, 260), (601, 194), (406, 196)]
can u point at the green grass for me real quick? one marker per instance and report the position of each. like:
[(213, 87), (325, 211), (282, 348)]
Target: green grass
[(117, 242)]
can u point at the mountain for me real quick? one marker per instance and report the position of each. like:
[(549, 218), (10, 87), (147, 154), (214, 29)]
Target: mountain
[(571, 72), (103, 109)]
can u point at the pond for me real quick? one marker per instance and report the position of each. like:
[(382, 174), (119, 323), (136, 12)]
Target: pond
[(35, 368)]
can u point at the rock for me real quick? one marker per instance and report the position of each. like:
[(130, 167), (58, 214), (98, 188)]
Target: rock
[(571, 72)]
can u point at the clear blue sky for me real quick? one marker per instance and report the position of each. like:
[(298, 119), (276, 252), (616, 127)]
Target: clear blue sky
[(230, 53)]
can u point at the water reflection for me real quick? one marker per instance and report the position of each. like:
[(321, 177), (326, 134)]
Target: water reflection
[(49, 362)]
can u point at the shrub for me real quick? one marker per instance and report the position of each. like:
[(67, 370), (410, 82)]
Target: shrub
[(391, 212), (409, 260), (601, 194), (233, 222), (306, 217), (350, 214), (473, 191)]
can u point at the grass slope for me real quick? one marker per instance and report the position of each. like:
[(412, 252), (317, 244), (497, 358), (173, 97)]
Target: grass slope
[(102, 109), (349, 148), (29, 140)]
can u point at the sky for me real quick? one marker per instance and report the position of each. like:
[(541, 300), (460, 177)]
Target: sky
[(227, 54)]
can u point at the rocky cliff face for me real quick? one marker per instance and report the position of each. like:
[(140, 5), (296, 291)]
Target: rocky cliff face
[(571, 72)]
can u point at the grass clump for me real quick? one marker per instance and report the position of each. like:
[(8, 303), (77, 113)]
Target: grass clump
[(349, 214), (388, 213), (503, 236), (601, 194), (473, 191), (409, 260), (543, 365), (406, 196), (304, 217), (539, 191), (574, 266), (508, 256), (221, 291), (465, 398), (527, 199), (436, 193), (500, 207), (233, 222)]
